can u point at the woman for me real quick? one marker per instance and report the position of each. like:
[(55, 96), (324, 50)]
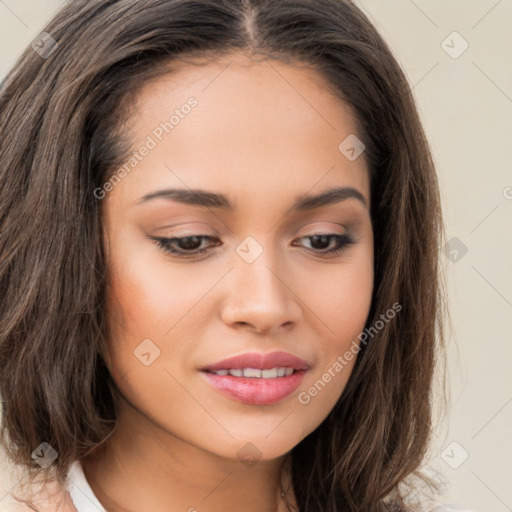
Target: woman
[(220, 224)]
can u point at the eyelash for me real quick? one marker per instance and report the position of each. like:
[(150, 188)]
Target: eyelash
[(166, 244)]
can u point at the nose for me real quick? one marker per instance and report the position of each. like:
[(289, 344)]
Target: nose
[(260, 296)]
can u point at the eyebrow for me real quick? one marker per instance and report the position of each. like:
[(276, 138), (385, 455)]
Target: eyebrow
[(199, 197)]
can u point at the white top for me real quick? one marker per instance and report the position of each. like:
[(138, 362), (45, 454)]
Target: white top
[(80, 491)]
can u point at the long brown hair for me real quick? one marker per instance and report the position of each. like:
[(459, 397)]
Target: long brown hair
[(61, 138)]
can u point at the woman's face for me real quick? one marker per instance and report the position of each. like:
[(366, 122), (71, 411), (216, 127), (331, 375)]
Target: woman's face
[(256, 137)]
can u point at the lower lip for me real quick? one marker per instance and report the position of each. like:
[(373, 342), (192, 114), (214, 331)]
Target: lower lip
[(253, 390)]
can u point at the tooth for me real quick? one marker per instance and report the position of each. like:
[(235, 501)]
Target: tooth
[(252, 372), (269, 374)]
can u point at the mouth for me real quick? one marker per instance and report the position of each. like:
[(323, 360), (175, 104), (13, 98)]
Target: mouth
[(256, 373), (257, 379)]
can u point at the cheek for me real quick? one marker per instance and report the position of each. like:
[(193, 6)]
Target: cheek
[(148, 300), (142, 309), (346, 301), (142, 294), (342, 297), (135, 302), (343, 300)]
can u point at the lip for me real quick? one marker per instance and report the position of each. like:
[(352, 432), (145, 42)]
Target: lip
[(257, 360), (257, 391)]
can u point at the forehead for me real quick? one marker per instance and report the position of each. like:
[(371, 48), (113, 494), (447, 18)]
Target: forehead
[(255, 124)]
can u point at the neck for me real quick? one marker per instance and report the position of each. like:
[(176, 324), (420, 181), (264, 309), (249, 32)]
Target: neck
[(143, 467)]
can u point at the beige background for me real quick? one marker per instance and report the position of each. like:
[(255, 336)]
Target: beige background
[(466, 105)]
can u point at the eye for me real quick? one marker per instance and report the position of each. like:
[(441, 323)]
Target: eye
[(189, 246), (324, 240), (183, 247)]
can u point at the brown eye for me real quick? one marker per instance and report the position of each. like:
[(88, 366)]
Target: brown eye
[(183, 246), (321, 241)]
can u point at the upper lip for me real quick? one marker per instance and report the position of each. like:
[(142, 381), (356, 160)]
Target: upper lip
[(257, 360)]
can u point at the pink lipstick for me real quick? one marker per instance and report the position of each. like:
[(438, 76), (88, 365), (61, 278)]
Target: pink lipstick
[(257, 379)]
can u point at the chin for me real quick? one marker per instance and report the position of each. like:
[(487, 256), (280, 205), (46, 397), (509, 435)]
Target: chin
[(251, 449)]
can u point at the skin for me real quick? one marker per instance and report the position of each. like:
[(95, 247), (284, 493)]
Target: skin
[(263, 133)]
